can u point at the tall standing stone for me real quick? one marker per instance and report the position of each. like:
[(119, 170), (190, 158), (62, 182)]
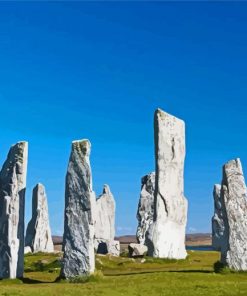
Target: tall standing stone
[(218, 227), (166, 237), (38, 235), (12, 207), (105, 217), (145, 209), (79, 214), (234, 201), (105, 224)]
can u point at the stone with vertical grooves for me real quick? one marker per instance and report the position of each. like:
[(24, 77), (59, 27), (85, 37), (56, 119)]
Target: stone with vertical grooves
[(105, 223), (218, 227), (12, 209), (105, 218), (79, 214), (38, 234), (166, 236), (234, 201), (145, 209)]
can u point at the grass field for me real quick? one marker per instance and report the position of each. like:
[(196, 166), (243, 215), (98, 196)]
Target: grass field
[(125, 276)]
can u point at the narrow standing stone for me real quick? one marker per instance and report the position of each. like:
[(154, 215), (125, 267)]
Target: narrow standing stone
[(166, 238), (79, 214), (145, 209), (105, 223), (218, 227), (105, 218), (234, 201), (38, 235), (12, 207)]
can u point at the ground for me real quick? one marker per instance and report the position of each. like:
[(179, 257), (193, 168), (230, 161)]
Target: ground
[(124, 276)]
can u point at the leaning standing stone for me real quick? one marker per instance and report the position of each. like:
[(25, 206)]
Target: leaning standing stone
[(12, 207), (166, 238), (78, 238), (38, 235)]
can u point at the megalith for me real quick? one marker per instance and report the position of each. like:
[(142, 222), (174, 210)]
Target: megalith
[(105, 223), (218, 227), (234, 201), (166, 235), (12, 209), (145, 209), (79, 214), (38, 234)]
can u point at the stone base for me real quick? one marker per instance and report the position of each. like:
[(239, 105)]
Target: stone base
[(167, 241), (107, 247)]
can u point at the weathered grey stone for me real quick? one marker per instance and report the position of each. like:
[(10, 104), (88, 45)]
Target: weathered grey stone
[(105, 217), (234, 201), (38, 234), (104, 247), (218, 227), (12, 207), (166, 236), (114, 248), (137, 250), (79, 215), (105, 222), (145, 209)]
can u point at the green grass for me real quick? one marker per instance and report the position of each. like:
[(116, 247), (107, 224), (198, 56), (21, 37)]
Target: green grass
[(114, 276)]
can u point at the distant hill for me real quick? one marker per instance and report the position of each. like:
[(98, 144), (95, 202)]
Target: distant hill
[(57, 240), (191, 239)]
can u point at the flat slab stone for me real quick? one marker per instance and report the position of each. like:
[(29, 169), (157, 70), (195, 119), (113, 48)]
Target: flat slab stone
[(166, 236)]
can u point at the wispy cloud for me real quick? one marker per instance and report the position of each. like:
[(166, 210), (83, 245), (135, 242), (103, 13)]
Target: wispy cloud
[(192, 229)]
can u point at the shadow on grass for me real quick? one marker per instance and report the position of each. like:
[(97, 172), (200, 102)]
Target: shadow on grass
[(159, 271), (196, 271), (33, 281)]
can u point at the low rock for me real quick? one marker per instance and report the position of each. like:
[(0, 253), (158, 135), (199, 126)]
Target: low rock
[(137, 250), (104, 247), (114, 248)]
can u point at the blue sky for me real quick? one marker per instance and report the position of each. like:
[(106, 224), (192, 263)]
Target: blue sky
[(99, 70)]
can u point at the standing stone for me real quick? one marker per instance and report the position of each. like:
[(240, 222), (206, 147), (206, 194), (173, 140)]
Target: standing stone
[(218, 227), (145, 209), (105, 223), (234, 201), (12, 207), (166, 238), (78, 238), (38, 235), (105, 218)]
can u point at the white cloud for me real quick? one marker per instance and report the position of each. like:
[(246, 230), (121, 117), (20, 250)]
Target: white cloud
[(192, 229)]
